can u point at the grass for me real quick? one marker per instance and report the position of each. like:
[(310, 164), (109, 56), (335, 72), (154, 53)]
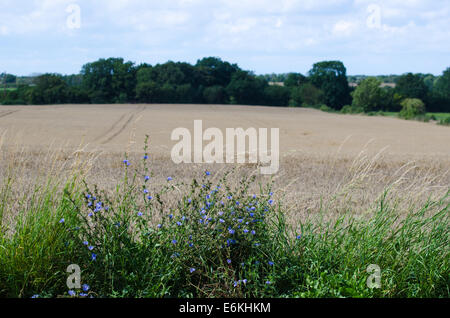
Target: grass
[(437, 116), (442, 118), (212, 238)]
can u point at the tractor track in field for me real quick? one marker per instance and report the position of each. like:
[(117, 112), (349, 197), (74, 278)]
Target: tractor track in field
[(116, 132), (7, 113), (111, 128)]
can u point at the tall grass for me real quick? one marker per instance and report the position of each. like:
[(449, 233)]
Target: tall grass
[(211, 238)]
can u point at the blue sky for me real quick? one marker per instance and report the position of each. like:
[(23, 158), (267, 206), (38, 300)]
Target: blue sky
[(370, 37)]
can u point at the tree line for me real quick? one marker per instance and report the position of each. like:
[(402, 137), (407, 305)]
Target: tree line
[(213, 81)]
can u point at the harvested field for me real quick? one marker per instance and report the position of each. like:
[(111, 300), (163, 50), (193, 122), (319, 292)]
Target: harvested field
[(320, 153), (351, 191)]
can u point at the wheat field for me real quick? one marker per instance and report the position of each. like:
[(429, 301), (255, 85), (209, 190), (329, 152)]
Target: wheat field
[(351, 191), (322, 155)]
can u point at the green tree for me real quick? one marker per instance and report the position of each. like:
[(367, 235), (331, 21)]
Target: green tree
[(331, 78), (109, 80), (9, 78), (294, 79), (411, 108), (306, 95), (276, 95), (49, 89), (368, 95), (246, 89), (213, 71), (440, 101), (215, 95), (148, 92), (390, 100), (412, 86)]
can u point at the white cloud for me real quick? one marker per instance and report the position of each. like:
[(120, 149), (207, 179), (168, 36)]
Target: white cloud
[(237, 29), (345, 28)]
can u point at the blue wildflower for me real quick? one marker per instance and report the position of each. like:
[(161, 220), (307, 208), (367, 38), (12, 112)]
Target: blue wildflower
[(83, 295), (174, 241), (85, 287), (149, 197), (146, 178), (145, 191), (71, 293), (192, 270), (61, 221), (139, 214), (270, 263), (169, 179), (145, 157), (35, 296), (229, 261), (94, 257)]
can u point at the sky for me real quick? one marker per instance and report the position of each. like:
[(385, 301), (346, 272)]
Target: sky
[(265, 36)]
